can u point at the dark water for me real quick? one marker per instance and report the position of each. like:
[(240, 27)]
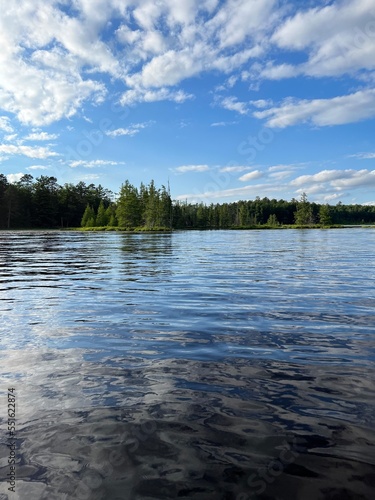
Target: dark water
[(197, 365)]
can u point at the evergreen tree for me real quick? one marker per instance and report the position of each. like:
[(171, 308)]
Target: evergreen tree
[(151, 214), (88, 218), (101, 216), (128, 207), (45, 201), (272, 221), (111, 216), (325, 215), (303, 215)]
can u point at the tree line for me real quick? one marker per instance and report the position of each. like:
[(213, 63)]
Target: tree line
[(43, 203)]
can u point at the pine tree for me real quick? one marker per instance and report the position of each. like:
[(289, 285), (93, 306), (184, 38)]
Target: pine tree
[(325, 215), (101, 217), (151, 214), (111, 216), (303, 216), (272, 221), (128, 207), (88, 218)]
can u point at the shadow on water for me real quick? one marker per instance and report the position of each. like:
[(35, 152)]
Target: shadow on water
[(193, 365)]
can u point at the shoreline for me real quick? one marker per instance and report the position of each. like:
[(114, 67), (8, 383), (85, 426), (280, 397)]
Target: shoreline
[(163, 231)]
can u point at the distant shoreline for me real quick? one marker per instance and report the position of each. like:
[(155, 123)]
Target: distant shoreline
[(164, 231)]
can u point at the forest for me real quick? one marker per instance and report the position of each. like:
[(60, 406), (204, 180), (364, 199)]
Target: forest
[(43, 203)]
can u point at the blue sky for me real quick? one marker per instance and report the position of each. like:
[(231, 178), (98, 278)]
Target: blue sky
[(227, 100)]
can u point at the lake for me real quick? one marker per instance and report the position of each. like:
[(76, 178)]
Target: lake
[(194, 365)]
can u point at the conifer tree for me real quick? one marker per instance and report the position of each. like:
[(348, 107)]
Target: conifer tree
[(88, 218), (128, 206), (303, 216), (101, 217), (325, 215)]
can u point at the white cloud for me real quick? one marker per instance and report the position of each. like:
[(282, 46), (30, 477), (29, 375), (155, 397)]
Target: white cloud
[(10, 137), (41, 136), (262, 103), (364, 156), (322, 112), (232, 104), (279, 71), (339, 38), (94, 163), (37, 167), (337, 180), (30, 152), (192, 168), (243, 19), (12, 178), (142, 95), (131, 130), (323, 176), (43, 54), (122, 131), (277, 168), (233, 169), (250, 176), (62, 52), (283, 171), (281, 175), (222, 124), (245, 192), (5, 124), (69, 57)]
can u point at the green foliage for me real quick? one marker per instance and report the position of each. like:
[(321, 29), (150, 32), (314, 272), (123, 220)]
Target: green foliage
[(41, 202), (102, 218), (325, 215), (272, 221), (128, 206), (88, 218), (304, 214)]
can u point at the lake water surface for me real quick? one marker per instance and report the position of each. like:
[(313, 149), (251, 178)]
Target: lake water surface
[(194, 365)]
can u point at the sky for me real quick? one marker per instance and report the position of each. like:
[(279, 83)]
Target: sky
[(225, 100)]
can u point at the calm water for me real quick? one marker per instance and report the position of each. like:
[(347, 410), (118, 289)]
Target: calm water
[(200, 365)]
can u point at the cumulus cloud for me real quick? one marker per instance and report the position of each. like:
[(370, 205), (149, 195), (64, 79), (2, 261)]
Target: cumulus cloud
[(5, 124), (12, 178), (261, 103), (191, 168), (41, 136), (339, 38), (321, 112), (336, 180), (255, 174), (69, 57), (63, 53), (232, 104), (10, 137), (29, 151)]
